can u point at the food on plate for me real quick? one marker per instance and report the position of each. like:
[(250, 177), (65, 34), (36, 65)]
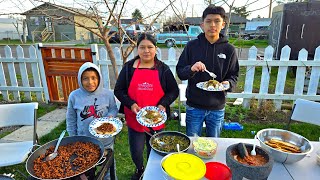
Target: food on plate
[(152, 117), (72, 159), (106, 128), (213, 85), (283, 146), (170, 143)]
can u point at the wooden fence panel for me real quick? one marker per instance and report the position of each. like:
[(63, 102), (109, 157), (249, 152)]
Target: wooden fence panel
[(3, 83), (12, 73), (266, 71), (250, 70), (23, 72), (315, 74), (282, 74), (301, 73)]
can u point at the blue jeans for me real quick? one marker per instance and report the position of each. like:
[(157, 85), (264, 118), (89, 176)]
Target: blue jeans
[(213, 119)]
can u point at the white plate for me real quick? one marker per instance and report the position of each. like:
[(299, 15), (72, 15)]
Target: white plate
[(142, 120), (97, 122), (222, 87)]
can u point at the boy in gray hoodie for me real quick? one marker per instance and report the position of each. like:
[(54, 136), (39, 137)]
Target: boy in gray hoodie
[(88, 102)]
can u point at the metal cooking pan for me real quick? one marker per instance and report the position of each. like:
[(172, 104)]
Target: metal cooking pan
[(67, 140), (168, 133)]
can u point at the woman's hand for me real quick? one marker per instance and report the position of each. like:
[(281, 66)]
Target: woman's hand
[(135, 108), (161, 108), (226, 84), (198, 66)]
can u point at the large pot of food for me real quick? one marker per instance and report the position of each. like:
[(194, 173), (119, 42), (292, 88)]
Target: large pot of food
[(165, 142), (76, 155)]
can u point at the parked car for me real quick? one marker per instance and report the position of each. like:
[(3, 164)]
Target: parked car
[(178, 37), (261, 32), (130, 32)]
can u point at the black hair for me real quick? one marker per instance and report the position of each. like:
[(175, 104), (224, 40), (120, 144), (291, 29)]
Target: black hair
[(92, 69), (145, 36), (211, 9)]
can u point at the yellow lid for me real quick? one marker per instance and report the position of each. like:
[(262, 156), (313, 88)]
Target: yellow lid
[(184, 166)]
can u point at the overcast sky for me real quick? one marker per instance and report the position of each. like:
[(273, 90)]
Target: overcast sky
[(193, 7)]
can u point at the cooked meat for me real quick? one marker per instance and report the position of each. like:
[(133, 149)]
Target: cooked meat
[(106, 128), (72, 159)]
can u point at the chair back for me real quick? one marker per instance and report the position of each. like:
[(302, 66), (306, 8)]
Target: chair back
[(306, 111), (18, 114)]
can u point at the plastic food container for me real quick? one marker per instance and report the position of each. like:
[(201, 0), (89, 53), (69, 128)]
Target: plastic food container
[(182, 166), (205, 147), (217, 171)]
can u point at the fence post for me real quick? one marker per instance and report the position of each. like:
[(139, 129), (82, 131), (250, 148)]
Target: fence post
[(94, 54), (42, 72), (315, 74), (104, 67), (248, 84), (172, 62), (266, 71), (35, 72), (3, 82), (301, 72), (12, 73), (159, 54), (23, 72), (282, 74)]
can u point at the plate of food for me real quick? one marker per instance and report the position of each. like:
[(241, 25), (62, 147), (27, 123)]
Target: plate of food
[(212, 85), (151, 116), (105, 127)]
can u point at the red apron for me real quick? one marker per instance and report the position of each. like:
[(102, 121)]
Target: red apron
[(145, 89)]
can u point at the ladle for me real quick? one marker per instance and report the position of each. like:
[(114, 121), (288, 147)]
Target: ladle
[(55, 152)]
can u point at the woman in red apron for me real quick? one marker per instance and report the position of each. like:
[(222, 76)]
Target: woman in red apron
[(144, 81)]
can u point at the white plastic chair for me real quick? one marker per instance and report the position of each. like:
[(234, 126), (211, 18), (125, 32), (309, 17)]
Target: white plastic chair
[(305, 111), (12, 153), (182, 99)]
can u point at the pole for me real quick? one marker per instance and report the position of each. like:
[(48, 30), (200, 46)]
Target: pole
[(270, 6)]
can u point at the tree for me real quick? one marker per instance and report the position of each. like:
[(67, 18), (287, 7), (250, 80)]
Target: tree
[(137, 14), (241, 11), (208, 2), (93, 13)]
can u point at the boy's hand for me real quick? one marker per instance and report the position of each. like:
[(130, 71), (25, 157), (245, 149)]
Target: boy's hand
[(198, 66), (162, 108), (135, 108), (226, 84)]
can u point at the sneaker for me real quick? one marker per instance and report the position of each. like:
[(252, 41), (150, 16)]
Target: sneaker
[(138, 174)]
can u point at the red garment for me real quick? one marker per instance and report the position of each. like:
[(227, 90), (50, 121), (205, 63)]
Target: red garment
[(145, 89)]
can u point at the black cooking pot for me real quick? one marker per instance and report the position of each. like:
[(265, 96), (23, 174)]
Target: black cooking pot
[(168, 133), (67, 140)]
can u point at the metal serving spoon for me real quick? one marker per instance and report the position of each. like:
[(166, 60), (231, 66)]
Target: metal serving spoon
[(55, 152), (213, 75)]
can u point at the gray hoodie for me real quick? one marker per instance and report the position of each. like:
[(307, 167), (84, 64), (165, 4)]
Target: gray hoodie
[(84, 106)]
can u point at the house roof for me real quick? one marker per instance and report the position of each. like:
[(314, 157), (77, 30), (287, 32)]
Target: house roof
[(64, 8), (235, 19)]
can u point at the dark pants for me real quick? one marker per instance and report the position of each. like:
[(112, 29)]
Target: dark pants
[(136, 143)]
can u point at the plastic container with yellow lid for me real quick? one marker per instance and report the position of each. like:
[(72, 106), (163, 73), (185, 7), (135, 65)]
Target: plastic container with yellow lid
[(183, 166)]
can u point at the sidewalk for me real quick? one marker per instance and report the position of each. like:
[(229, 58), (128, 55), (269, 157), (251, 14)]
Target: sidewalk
[(45, 124)]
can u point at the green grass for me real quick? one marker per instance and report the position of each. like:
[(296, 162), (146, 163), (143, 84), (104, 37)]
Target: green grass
[(125, 165)]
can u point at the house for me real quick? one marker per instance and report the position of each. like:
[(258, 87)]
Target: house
[(58, 23)]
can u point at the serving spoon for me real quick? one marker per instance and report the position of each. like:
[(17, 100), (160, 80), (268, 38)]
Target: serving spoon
[(253, 152), (55, 152)]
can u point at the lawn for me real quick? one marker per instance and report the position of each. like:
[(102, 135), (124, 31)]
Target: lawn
[(125, 166)]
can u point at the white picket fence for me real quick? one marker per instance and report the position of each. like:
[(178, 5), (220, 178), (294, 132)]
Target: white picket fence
[(101, 59)]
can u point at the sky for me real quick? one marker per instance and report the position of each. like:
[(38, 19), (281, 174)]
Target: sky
[(191, 7)]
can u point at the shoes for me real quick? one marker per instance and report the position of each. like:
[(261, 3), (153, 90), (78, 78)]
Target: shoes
[(138, 174)]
